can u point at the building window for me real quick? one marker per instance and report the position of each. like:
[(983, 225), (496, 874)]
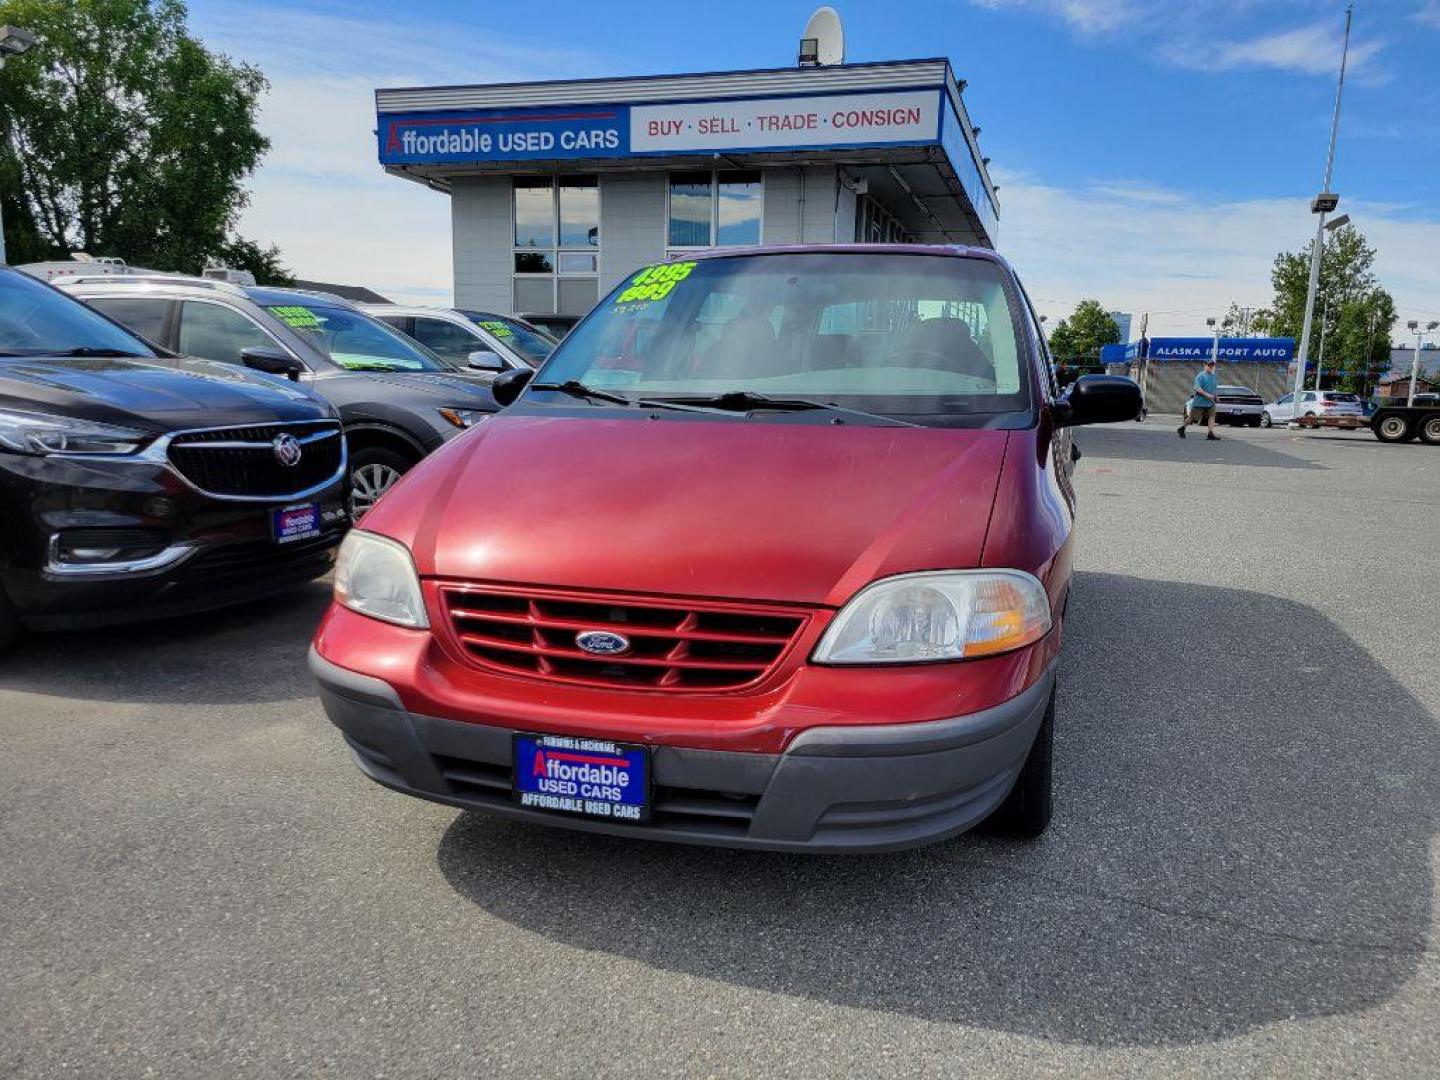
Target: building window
[(875, 225), (557, 242), (715, 208)]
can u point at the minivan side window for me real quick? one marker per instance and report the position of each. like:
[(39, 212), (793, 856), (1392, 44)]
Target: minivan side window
[(217, 333), (148, 317)]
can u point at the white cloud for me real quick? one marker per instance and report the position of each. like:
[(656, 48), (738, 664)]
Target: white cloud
[(1429, 14), (320, 193), (1305, 50), (1180, 256), (1085, 16)]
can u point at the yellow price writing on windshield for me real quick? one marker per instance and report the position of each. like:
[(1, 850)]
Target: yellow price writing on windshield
[(655, 282)]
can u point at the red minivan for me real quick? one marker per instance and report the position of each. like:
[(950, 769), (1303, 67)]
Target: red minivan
[(773, 552)]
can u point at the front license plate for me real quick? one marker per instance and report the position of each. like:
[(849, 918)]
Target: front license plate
[(585, 777), (295, 522)]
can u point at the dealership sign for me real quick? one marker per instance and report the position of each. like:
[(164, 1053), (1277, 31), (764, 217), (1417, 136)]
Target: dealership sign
[(1231, 351), (797, 123)]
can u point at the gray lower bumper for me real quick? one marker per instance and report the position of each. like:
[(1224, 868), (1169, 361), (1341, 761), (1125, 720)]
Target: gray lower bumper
[(834, 789)]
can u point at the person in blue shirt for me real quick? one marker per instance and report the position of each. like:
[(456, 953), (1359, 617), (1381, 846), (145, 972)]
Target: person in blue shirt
[(1202, 402)]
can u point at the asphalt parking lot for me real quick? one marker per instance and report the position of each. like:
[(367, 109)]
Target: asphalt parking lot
[(195, 881)]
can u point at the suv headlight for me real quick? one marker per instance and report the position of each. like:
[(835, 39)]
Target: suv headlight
[(46, 433), (375, 576), (940, 615)]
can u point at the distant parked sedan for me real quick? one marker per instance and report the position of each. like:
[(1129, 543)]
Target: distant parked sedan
[(1239, 405), (557, 326), (456, 335), (1318, 408)]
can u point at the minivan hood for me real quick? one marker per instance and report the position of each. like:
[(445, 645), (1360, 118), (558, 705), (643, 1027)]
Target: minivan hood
[(154, 395), (728, 508)]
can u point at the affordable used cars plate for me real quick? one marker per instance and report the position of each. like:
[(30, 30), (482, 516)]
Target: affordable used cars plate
[(295, 522), (587, 777)]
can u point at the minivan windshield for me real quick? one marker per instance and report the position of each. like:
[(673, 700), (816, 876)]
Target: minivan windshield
[(37, 320), (894, 334), (528, 343), (353, 339)]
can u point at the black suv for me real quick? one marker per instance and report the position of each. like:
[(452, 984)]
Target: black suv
[(397, 399), (137, 484)]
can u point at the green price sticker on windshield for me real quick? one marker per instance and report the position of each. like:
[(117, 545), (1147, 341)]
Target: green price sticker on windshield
[(300, 318), (499, 329), (655, 282)]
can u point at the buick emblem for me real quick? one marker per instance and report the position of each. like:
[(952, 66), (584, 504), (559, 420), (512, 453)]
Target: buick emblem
[(602, 642), (287, 450)]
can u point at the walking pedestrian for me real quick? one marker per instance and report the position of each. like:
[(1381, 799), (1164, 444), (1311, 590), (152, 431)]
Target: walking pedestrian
[(1202, 403)]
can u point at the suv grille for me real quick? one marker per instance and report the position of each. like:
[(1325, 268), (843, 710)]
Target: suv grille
[(242, 461), (674, 645)]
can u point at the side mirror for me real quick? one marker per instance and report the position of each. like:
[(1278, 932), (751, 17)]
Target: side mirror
[(485, 360), (1099, 399), (272, 361), (506, 388)]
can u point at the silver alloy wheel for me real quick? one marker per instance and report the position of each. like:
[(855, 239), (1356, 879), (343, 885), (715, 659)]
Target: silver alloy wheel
[(367, 484), (1265, 420)]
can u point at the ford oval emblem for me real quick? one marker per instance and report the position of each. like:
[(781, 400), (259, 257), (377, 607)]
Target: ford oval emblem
[(602, 642)]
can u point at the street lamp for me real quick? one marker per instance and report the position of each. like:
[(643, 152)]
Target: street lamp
[(1214, 349), (13, 42), (1330, 226), (1415, 363), (1323, 204)]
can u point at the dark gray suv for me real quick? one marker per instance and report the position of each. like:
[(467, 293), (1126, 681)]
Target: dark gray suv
[(397, 400)]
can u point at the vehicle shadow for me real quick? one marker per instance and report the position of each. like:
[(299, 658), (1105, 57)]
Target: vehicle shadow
[(1146, 443), (252, 652), (1244, 806)]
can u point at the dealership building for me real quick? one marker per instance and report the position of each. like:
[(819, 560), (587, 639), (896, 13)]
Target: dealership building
[(559, 189)]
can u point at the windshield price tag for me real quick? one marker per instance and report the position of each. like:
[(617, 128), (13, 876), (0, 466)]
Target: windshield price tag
[(499, 329), (654, 283), (300, 318)]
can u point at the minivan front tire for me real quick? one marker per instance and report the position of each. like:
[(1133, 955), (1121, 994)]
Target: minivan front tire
[(1026, 811)]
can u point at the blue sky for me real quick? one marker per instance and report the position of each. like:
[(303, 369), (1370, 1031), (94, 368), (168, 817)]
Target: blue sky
[(1152, 153)]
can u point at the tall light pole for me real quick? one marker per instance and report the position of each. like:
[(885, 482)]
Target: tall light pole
[(1322, 204), (1214, 348), (1330, 226), (13, 42), (1415, 363)]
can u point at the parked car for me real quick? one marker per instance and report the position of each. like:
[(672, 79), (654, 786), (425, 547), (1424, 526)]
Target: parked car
[(469, 339), (1318, 408), (557, 326), (136, 484), (1238, 405), (397, 400), (773, 552)]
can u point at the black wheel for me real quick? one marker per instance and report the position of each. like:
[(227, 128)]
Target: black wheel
[(9, 624), (1255, 421), (1393, 428), (1265, 420), (1026, 811), (1430, 430), (373, 471)]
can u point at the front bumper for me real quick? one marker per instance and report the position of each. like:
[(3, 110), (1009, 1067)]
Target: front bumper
[(833, 789)]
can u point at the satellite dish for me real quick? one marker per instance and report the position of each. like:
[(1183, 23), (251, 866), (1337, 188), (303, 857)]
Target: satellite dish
[(828, 35)]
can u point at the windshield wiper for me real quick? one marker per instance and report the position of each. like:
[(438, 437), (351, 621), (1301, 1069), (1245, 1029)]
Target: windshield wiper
[(92, 350), (746, 401), (575, 388)]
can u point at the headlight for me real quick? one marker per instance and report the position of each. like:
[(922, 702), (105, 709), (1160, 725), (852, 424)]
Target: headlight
[(942, 615), (465, 418), (46, 433), (376, 577)]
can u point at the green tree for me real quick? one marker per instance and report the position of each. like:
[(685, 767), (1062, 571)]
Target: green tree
[(121, 134), (1077, 340), (1353, 313)]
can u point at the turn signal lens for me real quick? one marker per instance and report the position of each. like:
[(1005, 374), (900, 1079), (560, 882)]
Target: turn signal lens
[(940, 615)]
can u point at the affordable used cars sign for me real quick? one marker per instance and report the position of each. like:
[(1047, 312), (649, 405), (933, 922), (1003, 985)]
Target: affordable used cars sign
[(611, 131), (504, 135)]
